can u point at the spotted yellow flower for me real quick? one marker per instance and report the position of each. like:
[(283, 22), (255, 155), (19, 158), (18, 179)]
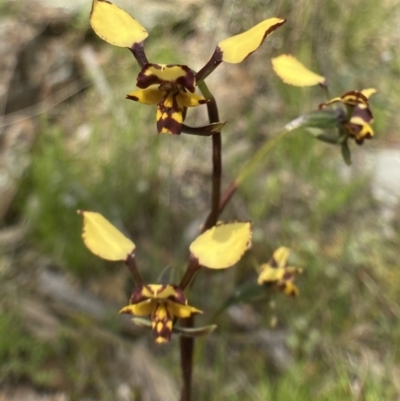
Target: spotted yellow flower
[(172, 87), (220, 247), (353, 120), (358, 114), (164, 304), (277, 273)]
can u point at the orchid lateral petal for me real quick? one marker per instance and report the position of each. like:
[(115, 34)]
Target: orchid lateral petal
[(222, 245), (103, 239), (368, 92), (185, 99), (143, 308), (237, 48), (182, 311), (151, 95), (195, 331), (114, 25), (292, 72)]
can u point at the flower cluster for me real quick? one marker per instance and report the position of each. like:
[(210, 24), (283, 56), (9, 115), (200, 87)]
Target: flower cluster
[(172, 87), (220, 247)]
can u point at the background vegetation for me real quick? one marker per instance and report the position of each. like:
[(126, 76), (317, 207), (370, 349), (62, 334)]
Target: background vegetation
[(339, 339)]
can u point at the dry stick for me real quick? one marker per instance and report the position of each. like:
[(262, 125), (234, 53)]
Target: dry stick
[(187, 343)]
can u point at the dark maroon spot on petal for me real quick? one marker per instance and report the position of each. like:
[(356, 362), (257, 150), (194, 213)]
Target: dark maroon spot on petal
[(137, 295), (188, 80), (287, 276), (179, 297), (364, 113), (359, 98), (273, 263), (135, 98)]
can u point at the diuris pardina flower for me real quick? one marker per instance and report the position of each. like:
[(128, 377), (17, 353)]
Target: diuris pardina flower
[(220, 247), (171, 87), (358, 115), (163, 303), (277, 272), (353, 120)]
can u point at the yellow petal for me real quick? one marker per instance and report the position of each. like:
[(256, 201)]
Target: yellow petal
[(270, 274), (114, 25), (103, 239), (237, 48), (185, 99), (280, 257), (159, 291), (368, 92), (181, 311), (292, 72), (289, 288), (222, 246), (143, 308), (159, 73), (151, 95)]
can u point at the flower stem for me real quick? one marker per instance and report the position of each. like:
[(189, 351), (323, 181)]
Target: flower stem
[(259, 155), (131, 263), (187, 343), (216, 158)]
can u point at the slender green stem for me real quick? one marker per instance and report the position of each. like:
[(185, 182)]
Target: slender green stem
[(259, 156)]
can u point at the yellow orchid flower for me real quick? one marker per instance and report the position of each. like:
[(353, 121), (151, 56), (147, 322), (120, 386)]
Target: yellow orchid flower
[(164, 304), (359, 116), (277, 272), (220, 247), (171, 87)]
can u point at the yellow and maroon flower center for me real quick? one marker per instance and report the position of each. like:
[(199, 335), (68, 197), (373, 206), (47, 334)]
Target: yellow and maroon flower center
[(163, 303), (171, 88)]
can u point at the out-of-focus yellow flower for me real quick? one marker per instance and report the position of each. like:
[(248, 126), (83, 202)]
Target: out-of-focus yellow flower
[(358, 114), (164, 304), (277, 272), (171, 87)]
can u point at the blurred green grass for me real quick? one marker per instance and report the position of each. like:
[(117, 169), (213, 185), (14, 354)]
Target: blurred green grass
[(155, 189)]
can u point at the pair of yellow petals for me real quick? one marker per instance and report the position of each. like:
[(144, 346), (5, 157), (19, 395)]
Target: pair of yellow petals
[(118, 28), (217, 248)]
